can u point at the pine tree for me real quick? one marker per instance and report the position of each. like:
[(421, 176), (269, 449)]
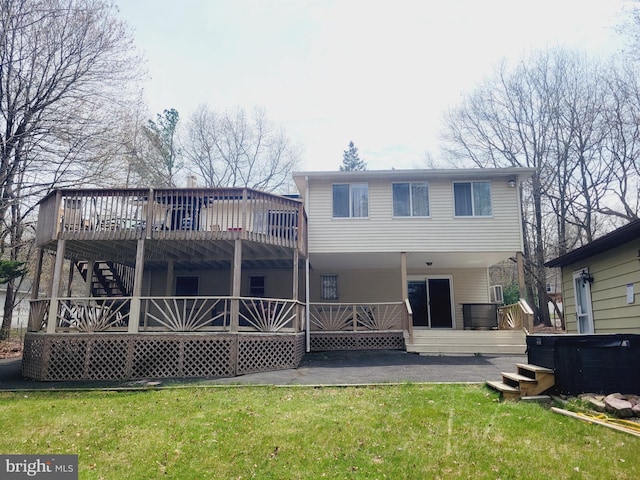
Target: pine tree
[(351, 160)]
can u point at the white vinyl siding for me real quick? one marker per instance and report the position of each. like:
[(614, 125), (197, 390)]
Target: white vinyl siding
[(442, 231)]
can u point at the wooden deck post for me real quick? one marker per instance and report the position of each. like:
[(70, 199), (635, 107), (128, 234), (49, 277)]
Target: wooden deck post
[(405, 292), (521, 283), (36, 280), (55, 287), (168, 289), (134, 310), (89, 280), (237, 283), (296, 279)]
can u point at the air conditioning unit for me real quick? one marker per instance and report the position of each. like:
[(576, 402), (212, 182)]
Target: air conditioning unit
[(495, 294)]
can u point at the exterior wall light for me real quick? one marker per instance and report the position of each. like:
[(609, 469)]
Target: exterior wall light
[(512, 182), (586, 277)]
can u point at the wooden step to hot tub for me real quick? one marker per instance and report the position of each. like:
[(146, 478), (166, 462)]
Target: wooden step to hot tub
[(529, 381)]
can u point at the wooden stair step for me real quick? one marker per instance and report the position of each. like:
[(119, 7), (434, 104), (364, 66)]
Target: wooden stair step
[(506, 391), (533, 368), (516, 377)]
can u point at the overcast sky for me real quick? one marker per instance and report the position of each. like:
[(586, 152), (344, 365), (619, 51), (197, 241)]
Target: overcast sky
[(379, 73)]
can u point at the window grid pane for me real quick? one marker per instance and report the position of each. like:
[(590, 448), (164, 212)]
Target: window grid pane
[(329, 287), (419, 199), (341, 200), (462, 199), (482, 198), (360, 200), (401, 207)]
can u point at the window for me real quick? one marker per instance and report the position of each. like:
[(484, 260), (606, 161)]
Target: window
[(256, 286), (350, 200), (472, 199), (411, 199), (329, 287), (186, 286)]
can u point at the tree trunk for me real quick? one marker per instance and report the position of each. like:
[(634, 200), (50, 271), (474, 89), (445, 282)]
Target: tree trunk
[(5, 331)]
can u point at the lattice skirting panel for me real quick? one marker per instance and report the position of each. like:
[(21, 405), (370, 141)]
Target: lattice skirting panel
[(391, 340), (61, 357)]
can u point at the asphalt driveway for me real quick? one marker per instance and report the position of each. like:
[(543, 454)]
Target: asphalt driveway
[(318, 368)]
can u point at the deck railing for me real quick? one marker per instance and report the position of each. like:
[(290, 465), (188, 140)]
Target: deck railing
[(170, 314), (172, 214), (357, 316), (515, 316)]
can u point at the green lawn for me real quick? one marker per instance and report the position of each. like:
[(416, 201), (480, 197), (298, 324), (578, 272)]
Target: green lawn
[(395, 432)]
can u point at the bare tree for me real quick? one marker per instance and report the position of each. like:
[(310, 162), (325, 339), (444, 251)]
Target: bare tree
[(64, 69), (233, 149), (546, 113)]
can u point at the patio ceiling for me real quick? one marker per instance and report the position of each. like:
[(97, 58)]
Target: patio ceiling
[(415, 260), (188, 254)]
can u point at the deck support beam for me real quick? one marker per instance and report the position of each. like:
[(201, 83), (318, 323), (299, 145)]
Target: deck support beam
[(236, 285), (134, 310), (55, 287)]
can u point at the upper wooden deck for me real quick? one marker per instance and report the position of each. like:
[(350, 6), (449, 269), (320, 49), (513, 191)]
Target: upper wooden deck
[(172, 214)]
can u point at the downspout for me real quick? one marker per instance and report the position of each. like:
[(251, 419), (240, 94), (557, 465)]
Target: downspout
[(307, 269)]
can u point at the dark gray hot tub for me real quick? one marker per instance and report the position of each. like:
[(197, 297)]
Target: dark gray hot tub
[(589, 363)]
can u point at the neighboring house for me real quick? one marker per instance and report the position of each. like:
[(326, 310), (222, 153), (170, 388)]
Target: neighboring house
[(20, 310), (220, 282), (600, 283)]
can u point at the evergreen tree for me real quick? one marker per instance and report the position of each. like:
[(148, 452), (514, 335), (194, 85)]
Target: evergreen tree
[(351, 160)]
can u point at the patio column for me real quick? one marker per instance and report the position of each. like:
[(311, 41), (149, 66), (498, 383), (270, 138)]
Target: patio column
[(237, 282), (294, 293), (36, 280), (521, 283), (55, 287), (168, 290), (134, 310), (89, 280)]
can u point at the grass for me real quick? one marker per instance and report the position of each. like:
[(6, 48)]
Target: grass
[(406, 431)]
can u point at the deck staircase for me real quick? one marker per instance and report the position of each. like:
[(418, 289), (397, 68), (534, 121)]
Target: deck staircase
[(109, 279), (479, 342), (530, 381)]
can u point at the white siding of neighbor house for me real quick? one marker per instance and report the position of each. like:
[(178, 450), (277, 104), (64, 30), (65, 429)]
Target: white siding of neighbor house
[(371, 286), (612, 271), (441, 231)]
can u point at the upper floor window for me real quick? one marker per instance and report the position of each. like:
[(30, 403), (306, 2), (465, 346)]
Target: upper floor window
[(472, 199), (351, 200), (411, 199)]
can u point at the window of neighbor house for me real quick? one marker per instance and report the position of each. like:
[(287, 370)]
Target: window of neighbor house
[(329, 287), (350, 200), (472, 199), (411, 199), (256, 286), (187, 286)]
